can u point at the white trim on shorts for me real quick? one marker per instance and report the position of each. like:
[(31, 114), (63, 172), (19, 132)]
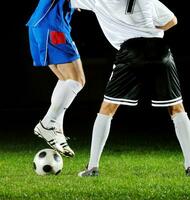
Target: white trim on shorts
[(167, 103), (135, 102), (120, 101), (47, 39)]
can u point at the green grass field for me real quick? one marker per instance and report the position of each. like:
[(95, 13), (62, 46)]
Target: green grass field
[(132, 168)]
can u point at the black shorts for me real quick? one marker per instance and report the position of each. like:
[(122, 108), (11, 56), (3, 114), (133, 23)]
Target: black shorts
[(144, 66)]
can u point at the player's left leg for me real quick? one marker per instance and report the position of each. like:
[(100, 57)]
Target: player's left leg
[(100, 134), (182, 129), (123, 88)]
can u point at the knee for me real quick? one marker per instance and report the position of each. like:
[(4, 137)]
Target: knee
[(176, 109), (78, 78), (108, 108), (73, 71), (82, 80)]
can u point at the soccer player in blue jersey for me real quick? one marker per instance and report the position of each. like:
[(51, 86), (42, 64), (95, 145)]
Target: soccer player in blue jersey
[(144, 62), (51, 45)]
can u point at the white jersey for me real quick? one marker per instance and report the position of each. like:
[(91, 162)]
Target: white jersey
[(121, 20)]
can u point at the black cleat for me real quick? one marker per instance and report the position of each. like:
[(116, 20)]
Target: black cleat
[(187, 171), (89, 172)]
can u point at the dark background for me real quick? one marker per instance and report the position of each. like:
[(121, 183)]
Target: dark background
[(26, 90)]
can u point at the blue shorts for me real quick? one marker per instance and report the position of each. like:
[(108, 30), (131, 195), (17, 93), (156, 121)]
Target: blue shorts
[(51, 47)]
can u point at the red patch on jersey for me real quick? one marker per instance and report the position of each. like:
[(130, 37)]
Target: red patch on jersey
[(57, 37)]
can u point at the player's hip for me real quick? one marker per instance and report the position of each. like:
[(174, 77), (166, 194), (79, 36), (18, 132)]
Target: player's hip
[(49, 46), (143, 50)]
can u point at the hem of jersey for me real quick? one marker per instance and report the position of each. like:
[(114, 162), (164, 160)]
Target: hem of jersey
[(60, 62)]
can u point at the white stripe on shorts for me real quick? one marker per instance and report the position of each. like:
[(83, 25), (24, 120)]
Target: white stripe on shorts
[(167, 103), (120, 101)]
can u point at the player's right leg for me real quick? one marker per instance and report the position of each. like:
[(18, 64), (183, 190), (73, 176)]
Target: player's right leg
[(71, 80), (53, 53), (100, 134), (52, 135)]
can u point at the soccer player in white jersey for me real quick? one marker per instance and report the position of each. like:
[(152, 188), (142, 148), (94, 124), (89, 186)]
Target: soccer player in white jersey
[(143, 61)]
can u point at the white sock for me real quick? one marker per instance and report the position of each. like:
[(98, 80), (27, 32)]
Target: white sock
[(182, 129), (62, 97), (59, 121), (100, 134)]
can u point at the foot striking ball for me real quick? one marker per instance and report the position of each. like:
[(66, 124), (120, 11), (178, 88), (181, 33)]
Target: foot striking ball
[(47, 161)]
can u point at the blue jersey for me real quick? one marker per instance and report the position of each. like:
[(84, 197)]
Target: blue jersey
[(55, 14)]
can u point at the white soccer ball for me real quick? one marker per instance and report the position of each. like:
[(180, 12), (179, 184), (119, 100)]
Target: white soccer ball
[(47, 161)]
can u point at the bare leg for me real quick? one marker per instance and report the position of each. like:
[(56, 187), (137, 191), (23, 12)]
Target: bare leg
[(73, 71)]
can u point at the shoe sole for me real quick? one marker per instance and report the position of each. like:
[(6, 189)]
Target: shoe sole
[(92, 174)]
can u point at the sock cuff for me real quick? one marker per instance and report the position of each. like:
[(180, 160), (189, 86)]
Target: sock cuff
[(76, 86), (178, 115), (102, 116)]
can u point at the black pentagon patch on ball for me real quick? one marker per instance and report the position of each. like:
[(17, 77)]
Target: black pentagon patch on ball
[(56, 157), (42, 154), (57, 172), (34, 165), (47, 168)]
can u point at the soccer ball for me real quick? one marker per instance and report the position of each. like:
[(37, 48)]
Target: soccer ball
[(47, 161)]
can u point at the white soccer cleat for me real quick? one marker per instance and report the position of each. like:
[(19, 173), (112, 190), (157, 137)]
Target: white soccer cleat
[(89, 172), (54, 138)]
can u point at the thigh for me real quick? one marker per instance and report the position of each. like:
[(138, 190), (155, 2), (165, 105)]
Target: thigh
[(72, 70), (56, 72), (124, 87), (165, 85)]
